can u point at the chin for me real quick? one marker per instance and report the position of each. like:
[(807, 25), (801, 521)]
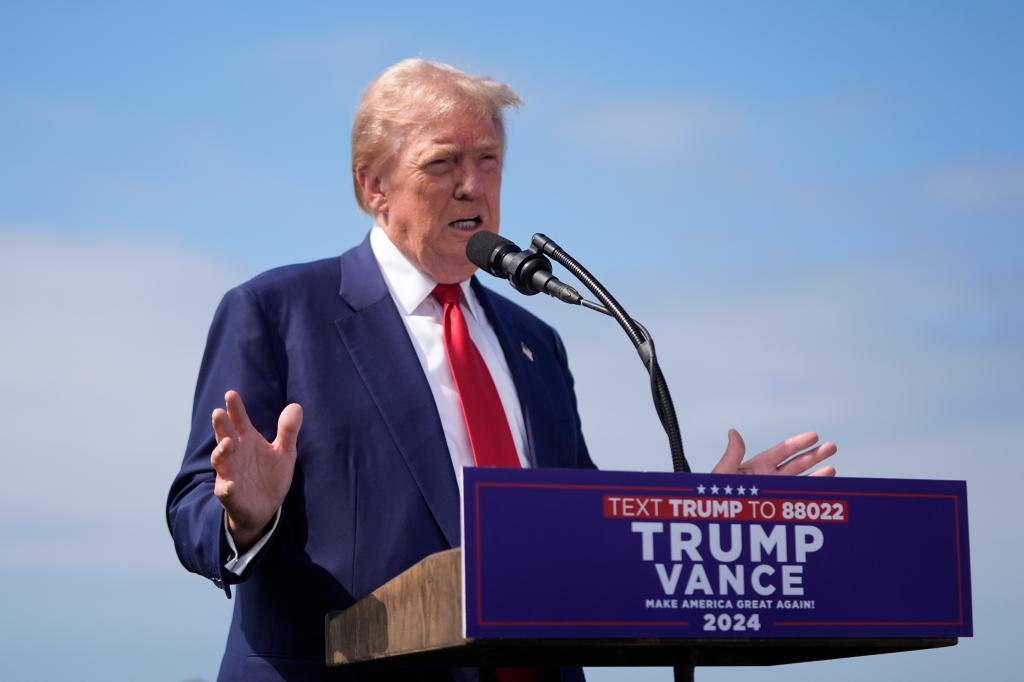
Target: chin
[(454, 275)]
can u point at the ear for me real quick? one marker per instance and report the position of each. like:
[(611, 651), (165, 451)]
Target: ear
[(372, 187)]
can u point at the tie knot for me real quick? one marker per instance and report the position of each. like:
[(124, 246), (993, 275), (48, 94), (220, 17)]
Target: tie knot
[(447, 294)]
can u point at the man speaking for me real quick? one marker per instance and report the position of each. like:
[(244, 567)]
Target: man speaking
[(345, 394)]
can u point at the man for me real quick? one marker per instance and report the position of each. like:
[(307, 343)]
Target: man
[(385, 372)]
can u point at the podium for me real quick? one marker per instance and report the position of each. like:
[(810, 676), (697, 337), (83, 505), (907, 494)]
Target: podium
[(633, 569)]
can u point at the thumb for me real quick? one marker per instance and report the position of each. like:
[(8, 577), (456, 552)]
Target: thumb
[(733, 455), (288, 425)]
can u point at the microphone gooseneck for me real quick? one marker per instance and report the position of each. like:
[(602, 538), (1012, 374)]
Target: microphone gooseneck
[(641, 339)]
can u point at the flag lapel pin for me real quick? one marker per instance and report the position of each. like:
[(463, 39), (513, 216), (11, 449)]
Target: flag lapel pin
[(526, 351)]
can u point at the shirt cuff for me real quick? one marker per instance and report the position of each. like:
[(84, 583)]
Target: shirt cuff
[(237, 564)]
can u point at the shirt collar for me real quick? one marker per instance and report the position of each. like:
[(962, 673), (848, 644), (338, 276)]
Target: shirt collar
[(410, 286)]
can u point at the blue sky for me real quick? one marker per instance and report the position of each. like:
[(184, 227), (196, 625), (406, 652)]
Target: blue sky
[(829, 195)]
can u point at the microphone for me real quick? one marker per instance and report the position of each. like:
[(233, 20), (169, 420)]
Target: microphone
[(527, 271)]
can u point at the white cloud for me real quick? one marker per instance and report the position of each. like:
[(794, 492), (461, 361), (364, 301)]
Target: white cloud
[(345, 61), (882, 359), (985, 185), (102, 342), (653, 125)]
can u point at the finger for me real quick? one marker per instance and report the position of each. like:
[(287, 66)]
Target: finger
[(223, 488), (236, 411), (732, 458), (288, 425), (221, 456), (222, 426), (803, 462), (824, 471), (779, 453)]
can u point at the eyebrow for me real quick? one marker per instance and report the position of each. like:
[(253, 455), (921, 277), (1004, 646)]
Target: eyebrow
[(487, 144), (484, 144)]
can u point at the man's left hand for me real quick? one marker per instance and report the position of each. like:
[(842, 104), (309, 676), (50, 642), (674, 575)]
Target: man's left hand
[(791, 457)]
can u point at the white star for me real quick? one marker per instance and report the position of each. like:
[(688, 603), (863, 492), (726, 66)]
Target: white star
[(741, 490), (714, 490), (753, 490), (700, 489), (728, 490)]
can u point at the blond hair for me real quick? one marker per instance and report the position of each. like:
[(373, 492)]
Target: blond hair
[(410, 95)]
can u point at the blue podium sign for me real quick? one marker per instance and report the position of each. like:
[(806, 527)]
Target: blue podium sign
[(555, 553)]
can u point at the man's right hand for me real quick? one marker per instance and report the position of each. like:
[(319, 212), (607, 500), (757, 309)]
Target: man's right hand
[(253, 476)]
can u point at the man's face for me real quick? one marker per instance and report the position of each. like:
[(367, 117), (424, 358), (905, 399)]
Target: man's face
[(443, 187)]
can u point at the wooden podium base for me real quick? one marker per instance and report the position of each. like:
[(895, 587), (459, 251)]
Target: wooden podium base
[(416, 619)]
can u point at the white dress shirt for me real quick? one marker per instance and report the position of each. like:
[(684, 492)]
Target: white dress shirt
[(410, 289)]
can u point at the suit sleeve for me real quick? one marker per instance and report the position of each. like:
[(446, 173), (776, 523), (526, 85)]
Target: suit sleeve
[(242, 353), (583, 460)]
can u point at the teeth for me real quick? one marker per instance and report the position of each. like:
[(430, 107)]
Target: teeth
[(465, 224)]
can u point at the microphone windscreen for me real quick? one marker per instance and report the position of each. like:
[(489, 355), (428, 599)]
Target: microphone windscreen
[(482, 246)]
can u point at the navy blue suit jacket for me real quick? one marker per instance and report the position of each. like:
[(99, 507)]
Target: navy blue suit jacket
[(374, 490)]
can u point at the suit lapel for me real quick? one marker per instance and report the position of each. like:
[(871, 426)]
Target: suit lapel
[(382, 353)]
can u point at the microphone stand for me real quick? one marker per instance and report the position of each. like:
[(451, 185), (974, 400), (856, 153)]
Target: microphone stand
[(644, 344), (637, 333)]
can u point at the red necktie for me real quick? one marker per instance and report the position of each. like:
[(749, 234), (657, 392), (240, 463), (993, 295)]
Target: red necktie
[(489, 434)]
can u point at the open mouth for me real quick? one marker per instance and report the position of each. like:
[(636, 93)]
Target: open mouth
[(467, 223)]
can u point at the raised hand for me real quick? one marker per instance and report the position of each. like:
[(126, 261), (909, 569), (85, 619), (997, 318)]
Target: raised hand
[(253, 476), (791, 457)]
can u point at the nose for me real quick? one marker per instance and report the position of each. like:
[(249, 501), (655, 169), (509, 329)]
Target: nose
[(468, 181)]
